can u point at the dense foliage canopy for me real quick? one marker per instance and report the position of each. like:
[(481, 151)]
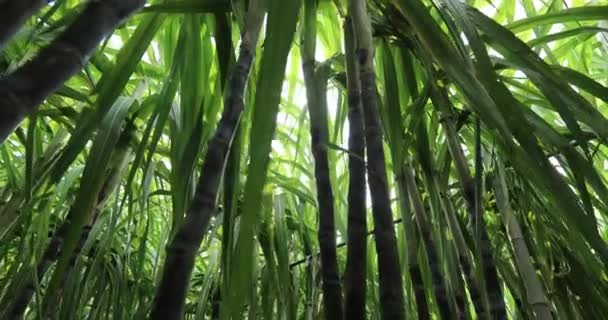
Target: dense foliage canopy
[(303, 159)]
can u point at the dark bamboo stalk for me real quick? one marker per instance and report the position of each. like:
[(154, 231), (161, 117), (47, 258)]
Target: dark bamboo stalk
[(391, 287), (332, 290), (412, 234), (419, 289), (426, 236), (460, 298), (53, 308), (22, 91), (455, 297), (386, 242), (13, 14), (227, 60), (356, 256), (466, 262), (315, 80), (411, 238), (171, 292), (470, 194)]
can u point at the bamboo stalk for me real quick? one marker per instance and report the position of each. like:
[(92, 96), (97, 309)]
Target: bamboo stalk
[(315, 80), (458, 286), (463, 255), (411, 236), (233, 162), (426, 236), (13, 14), (454, 296), (356, 256), (391, 288), (466, 261), (535, 292), (23, 90), (419, 289), (171, 292), (468, 186)]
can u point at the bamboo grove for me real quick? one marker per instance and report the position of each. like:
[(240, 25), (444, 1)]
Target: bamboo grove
[(303, 159)]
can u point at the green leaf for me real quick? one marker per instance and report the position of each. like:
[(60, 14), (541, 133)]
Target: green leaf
[(282, 18)]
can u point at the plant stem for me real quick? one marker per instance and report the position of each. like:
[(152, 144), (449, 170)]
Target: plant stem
[(534, 288), (13, 14), (54, 249), (391, 288), (315, 80), (171, 292), (23, 90), (469, 190), (425, 234), (356, 256)]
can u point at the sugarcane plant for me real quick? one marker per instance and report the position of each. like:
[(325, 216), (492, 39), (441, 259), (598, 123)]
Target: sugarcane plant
[(14, 13), (386, 159), (356, 256), (25, 88), (315, 79), (534, 288), (471, 197), (171, 293), (23, 292), (391, 292)]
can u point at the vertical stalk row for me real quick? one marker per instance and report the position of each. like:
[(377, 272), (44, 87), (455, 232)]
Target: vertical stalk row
[(171, 292), (391, 288), (356, 255)]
